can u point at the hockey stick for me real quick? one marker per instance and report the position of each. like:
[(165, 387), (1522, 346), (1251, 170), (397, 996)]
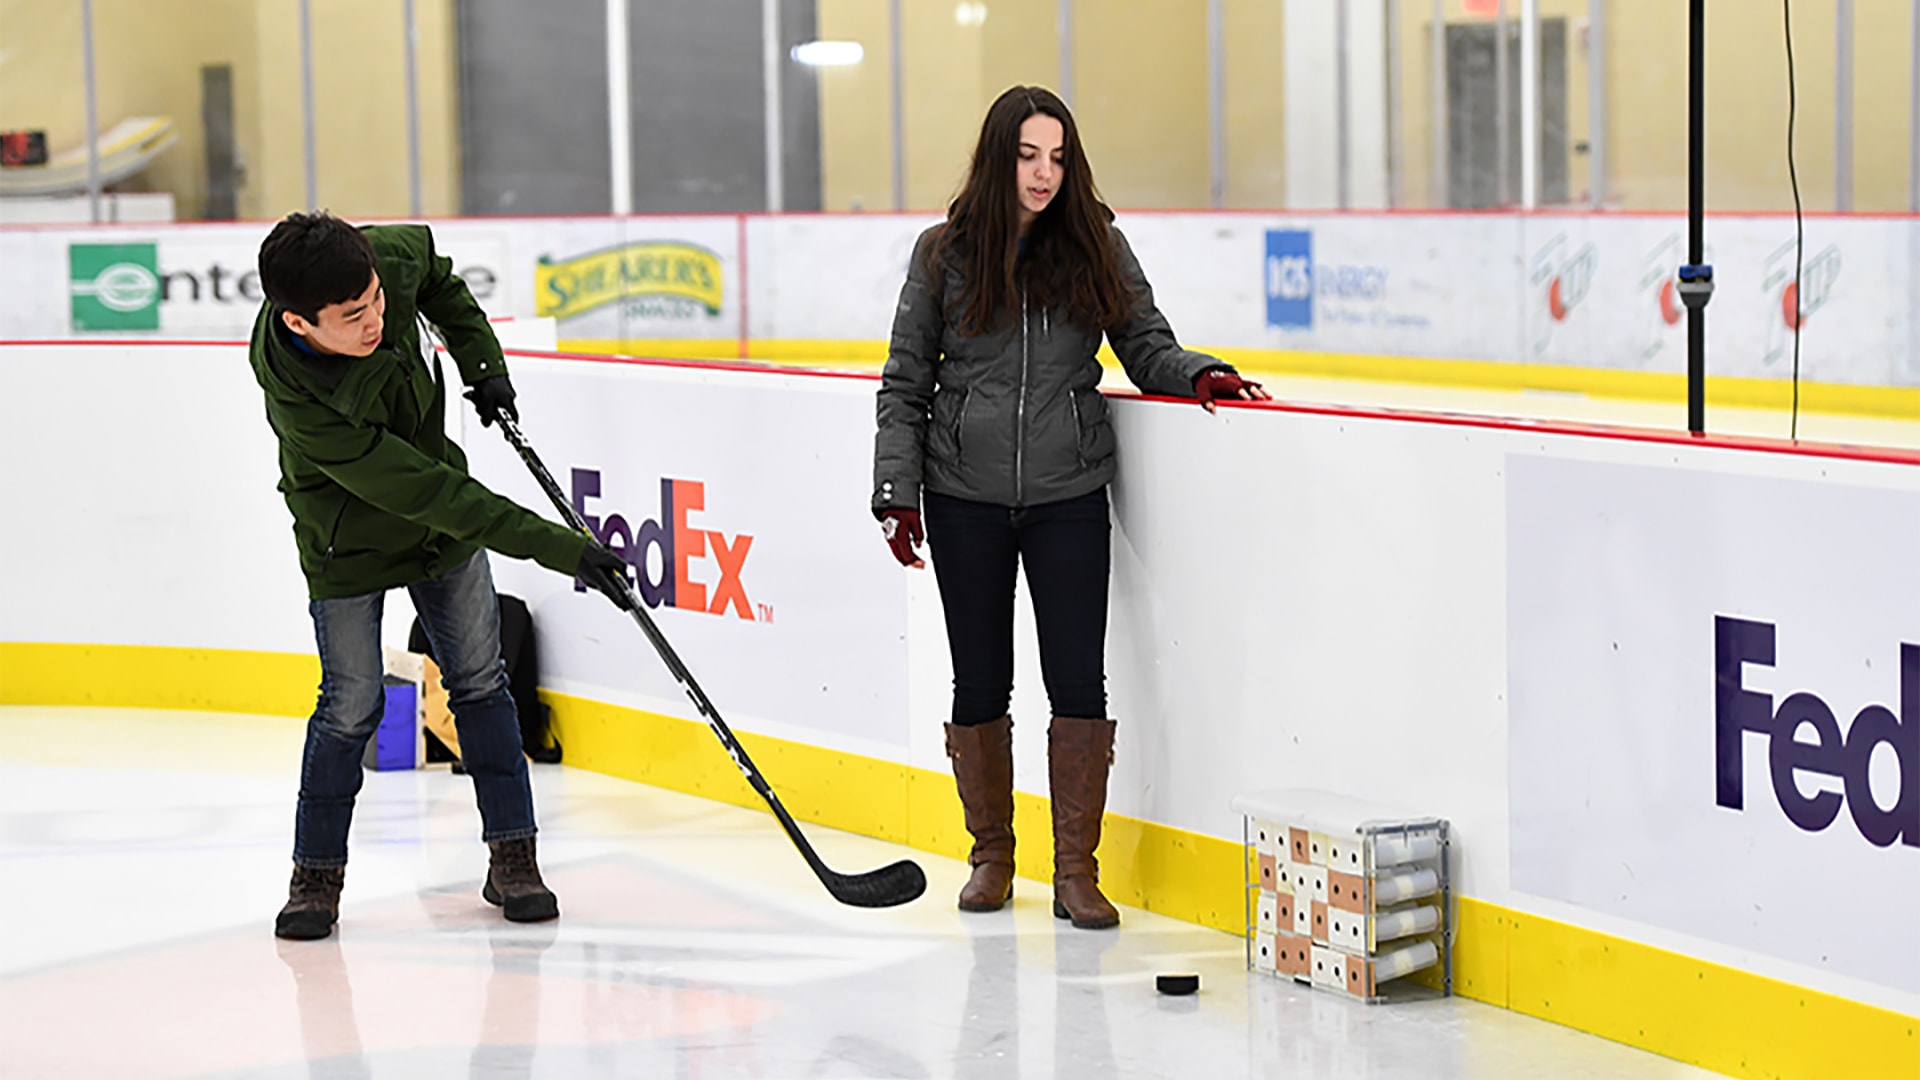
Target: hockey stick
[(885, 887)]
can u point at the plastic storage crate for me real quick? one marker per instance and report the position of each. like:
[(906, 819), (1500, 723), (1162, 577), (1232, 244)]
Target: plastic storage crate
[(1346, 896)]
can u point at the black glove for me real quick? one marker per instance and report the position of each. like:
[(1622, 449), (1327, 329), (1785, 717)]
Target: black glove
[(603, 570), (492, 398)]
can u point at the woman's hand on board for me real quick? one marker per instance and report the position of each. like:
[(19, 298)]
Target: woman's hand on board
[(1225, 384)]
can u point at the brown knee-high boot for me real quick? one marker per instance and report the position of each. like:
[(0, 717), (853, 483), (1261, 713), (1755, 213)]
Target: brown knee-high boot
[(983, 770), (1078, 754)]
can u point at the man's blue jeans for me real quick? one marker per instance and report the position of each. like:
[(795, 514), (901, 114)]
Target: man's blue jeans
[(462, 618)]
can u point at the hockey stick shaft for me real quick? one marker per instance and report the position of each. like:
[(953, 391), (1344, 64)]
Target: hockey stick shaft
[(667, 654)]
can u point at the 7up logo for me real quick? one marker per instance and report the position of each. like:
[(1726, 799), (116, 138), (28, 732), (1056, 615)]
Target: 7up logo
[(114, 286)]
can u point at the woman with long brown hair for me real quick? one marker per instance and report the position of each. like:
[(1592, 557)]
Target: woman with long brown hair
[(989, 416)]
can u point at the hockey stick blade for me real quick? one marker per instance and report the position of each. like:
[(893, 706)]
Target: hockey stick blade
[(888, 886)]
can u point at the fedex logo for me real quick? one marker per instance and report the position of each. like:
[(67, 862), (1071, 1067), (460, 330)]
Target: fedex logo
[(679, 543), (1846, 757)]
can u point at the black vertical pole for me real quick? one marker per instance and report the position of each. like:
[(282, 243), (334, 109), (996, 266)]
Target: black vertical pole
[(1696, 217), (1696, 278)]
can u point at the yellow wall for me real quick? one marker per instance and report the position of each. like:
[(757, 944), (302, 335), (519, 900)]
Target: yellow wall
[(1416, 104), (1747, 111), (1416, 97), (1746, 106), (856, 140), (39, 54), (950, 74), (945, 95), (360, 121), (1145, 135), (1140, 94), (1646, 133), (1019, 46), (148, 55), (1141, 98), (1882, 104), (1256, 99)]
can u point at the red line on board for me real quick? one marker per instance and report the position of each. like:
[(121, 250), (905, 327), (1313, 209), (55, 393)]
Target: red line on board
[(1561, 428)]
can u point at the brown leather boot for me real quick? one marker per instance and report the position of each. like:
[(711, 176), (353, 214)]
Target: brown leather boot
[(514, 884), (983, 770), (313, 904), (1078, 754)]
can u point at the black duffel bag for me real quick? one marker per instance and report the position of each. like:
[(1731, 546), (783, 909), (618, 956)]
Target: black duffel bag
[(519, 649)]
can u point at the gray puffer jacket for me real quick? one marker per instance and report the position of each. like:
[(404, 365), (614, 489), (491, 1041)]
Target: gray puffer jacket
[(1011, 417)]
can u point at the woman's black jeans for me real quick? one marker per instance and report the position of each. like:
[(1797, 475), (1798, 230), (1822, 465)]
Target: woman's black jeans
[(1066, 547)]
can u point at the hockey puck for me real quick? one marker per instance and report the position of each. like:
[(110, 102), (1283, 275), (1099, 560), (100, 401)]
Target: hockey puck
[(1177, 984)]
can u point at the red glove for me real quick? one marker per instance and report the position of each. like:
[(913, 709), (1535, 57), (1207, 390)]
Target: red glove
[(904, 534), (1225, 384)]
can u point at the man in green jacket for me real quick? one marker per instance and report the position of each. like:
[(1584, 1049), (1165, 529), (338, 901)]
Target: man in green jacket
[(381, 499)]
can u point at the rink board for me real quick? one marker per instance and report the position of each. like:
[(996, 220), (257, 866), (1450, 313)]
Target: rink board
[(1571, 301), (1308, 597)]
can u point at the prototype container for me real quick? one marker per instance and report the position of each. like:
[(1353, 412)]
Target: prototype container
[(1346, 896)]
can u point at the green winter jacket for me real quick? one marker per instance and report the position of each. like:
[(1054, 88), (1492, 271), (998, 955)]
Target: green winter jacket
[(380, 496)]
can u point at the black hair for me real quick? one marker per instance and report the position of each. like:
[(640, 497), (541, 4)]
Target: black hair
[(312, 261)]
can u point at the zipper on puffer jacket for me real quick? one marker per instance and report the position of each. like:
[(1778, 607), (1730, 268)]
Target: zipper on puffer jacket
[(960, 428), (1079, 432), (1020, 415)]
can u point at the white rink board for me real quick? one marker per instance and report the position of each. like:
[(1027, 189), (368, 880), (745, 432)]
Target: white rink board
[(209, 285), (1637, 790), (138, 487), (828, 277), (1562, 289), (812, 643), (1300, 598)]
